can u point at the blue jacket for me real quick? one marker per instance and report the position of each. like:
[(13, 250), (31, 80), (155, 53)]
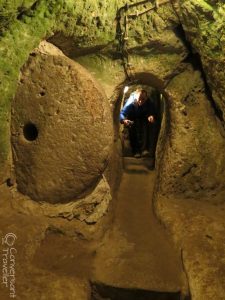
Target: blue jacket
[(131, 99), (133, 111)]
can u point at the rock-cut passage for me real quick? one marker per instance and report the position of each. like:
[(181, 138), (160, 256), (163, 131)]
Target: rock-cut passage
[(137, 253)]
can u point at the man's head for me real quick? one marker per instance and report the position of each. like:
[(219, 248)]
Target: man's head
[(143, 96)]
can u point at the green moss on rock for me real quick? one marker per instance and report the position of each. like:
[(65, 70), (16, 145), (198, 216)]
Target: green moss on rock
[(16, 43), (23, 24), (204, 25)]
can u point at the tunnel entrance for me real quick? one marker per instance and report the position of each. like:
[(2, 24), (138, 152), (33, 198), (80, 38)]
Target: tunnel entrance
[(147, 134), (101, 291)]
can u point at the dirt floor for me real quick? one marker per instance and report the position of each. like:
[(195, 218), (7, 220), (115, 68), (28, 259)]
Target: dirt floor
[(137, 252)]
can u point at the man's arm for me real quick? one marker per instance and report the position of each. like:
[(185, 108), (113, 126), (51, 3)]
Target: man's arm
[(124, 114)]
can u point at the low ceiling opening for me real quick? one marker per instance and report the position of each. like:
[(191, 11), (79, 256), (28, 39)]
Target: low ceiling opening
[(140, 121)]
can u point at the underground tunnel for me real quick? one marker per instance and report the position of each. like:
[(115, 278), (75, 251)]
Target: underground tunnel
[(86, 219), (150, 137)]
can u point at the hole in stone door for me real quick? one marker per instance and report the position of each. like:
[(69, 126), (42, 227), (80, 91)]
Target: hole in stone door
[(30, 131)]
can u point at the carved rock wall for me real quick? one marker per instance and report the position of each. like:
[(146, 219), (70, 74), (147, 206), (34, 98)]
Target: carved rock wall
[(192, 165), (203, 22)]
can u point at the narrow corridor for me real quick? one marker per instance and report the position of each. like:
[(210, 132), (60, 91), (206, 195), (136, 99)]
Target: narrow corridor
[(137, 252)]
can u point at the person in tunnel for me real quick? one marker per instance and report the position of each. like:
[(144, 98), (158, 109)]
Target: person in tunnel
[(137, 116)]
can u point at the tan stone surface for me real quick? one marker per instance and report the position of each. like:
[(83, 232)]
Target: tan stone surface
[(198, 229), (203, 23), (73, 119), (191, 159), (89, 209), (36, 280)]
